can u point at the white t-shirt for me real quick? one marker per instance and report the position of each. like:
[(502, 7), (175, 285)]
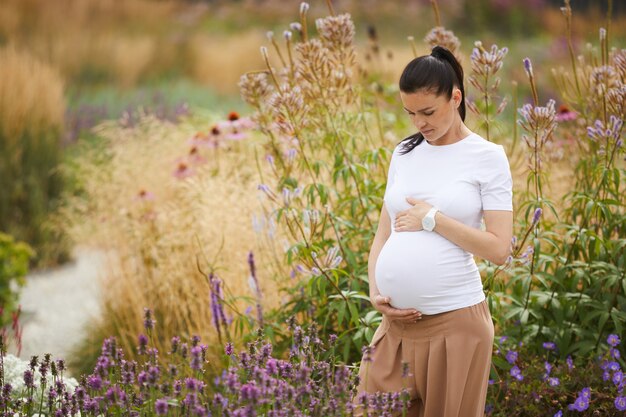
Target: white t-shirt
[(422, 269)]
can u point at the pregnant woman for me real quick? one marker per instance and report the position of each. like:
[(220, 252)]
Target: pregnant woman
[(436, 335)]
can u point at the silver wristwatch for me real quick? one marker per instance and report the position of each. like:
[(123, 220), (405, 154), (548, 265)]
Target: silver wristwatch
[(428, 222)]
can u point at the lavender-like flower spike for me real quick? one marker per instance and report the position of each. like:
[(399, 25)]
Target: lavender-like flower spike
[(296, 27), (148, 322), (537, 215), (254, 280), (528, 67), (160, 406)]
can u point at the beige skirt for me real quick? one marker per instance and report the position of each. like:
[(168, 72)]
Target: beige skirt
[(448, 356)]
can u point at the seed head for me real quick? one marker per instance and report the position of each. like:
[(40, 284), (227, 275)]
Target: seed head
[(440, 36)]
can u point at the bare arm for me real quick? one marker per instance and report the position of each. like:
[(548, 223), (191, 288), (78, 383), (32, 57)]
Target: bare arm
[(493, 244)]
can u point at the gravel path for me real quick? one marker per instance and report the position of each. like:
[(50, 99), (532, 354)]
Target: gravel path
[(57, 304)]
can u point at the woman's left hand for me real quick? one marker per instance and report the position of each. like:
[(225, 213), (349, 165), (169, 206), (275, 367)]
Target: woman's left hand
[(410, 220)]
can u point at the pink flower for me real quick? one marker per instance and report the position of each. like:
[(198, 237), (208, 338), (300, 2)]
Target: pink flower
[(144, 195), (564, 114), (194, 157), (236, 134), (182, 171)]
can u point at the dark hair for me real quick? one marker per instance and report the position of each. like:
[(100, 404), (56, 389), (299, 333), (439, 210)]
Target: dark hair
[(438, 72)]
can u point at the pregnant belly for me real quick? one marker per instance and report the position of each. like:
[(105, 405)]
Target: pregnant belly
[(424, 270)]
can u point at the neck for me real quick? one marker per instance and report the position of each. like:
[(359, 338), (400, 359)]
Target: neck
[(457, 132)]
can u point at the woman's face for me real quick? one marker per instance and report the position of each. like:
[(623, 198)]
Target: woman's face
[(434, 116)]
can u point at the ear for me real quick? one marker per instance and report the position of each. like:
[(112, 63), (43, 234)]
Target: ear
[(457, 96)]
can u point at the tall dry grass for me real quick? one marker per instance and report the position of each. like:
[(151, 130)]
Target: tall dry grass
[(32, 108), (95, 40), (209, 64), (159, 228)]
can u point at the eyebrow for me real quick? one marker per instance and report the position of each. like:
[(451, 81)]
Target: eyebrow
[(420, 110)]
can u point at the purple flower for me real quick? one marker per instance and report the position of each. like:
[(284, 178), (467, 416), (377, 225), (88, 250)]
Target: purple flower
[(250, 391), (148, 322), (618, 378), (196, 358), (548, 345), (553, 382), (548, 368), (586, 393), (536, 216), (528, 66), (503, 339), (142, 378), (516, 373), (229, 348), (257, 289), (143, 342), (174, 343), (511, 356), (29, 380), (368, 352), (613, 366), (161, 406), (559, 413), (613, 340), (620, 403), (570, 362), (581, 404), (94, 382), (614, 353)]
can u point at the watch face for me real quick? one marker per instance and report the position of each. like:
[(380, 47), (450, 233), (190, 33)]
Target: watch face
[(428, 223)]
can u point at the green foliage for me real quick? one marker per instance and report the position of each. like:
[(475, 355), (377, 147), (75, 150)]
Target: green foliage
[(328, 156), (14, 257), (569, 285), (328, 153), (546, 383)]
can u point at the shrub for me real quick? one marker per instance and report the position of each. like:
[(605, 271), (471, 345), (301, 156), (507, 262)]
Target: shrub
[(31, 124), (526, 383), (14, 257), (567, 271)]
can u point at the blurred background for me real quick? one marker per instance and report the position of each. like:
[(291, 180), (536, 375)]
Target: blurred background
[(73, 71)]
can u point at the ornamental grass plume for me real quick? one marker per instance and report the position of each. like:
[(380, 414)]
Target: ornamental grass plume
[(32, 107), (154, 244)]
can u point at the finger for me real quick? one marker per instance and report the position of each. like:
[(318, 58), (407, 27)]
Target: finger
[(382, 299), (396, 312)]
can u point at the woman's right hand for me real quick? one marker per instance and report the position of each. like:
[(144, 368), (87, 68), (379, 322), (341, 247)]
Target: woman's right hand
[(381, 304)]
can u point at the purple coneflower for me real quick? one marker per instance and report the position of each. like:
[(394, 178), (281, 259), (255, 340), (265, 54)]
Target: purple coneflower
[(565, 114), (182, 171), (194, 156)]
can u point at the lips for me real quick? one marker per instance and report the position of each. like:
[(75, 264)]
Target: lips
[(427, 132)]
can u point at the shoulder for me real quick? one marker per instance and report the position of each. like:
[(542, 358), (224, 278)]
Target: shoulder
[(488, 151)]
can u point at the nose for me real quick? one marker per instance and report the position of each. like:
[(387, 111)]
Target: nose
[(418, 122)]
